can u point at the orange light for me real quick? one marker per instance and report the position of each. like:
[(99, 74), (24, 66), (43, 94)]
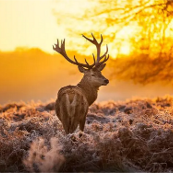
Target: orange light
[(125, 49)]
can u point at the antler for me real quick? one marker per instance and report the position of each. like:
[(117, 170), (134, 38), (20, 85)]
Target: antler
[(98, 62), (61, 50), (98, 46)]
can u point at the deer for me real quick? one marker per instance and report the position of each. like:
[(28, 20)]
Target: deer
[(72, 103)]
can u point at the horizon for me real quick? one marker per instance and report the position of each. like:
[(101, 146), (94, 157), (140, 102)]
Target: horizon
[(45, 79)]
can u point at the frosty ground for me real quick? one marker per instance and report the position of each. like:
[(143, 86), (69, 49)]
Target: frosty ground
[(135, 135)]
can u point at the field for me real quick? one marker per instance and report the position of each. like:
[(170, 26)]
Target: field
[(135, 135)]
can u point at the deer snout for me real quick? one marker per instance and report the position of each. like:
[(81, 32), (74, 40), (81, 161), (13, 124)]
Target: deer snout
[(106, 81)]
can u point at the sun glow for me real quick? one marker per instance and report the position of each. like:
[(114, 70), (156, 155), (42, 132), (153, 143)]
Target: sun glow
[(125, 49), (38, 23)]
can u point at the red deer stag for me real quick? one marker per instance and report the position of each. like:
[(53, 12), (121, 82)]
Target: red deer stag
[(73, 101)]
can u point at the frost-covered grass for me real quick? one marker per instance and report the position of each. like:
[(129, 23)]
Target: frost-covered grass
[(136, 135)]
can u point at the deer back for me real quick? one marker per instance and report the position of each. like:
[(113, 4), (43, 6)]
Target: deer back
[(71, 107)]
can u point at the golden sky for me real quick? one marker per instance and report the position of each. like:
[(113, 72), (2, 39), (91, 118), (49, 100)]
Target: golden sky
[(27, 23), (34, 23), (38, 23), (28, 73), (31, 23)]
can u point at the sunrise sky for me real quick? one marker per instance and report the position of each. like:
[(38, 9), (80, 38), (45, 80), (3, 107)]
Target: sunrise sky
[(28, 23), (30, 69), (35, 23), (38, 23), (32, 23)]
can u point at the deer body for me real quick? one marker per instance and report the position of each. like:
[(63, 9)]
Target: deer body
[(73, 101), (71, 108)]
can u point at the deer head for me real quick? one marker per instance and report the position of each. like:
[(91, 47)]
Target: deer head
[(92, 72)]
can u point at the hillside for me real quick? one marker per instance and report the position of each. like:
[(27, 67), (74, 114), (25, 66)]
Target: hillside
[(135, 135)]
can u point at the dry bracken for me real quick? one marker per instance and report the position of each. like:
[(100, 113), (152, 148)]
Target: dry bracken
[(133, 136)]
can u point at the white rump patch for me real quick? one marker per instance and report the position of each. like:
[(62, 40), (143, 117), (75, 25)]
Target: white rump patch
[(71, 106)]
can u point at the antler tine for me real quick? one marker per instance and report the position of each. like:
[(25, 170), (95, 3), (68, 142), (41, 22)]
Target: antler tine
[(57, 42), (102, 62), (94, 58), (87, 39), (56, 46), (94, 40), (75, 59), (87, 62), (61, 50), (104, 53), (98, 47), (101, 39), (63, 45)]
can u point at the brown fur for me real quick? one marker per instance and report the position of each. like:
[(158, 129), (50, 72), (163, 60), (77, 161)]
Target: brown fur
[(71, 108), (73, 101)]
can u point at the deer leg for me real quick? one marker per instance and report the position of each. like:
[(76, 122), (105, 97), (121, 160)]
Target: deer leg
[(82, 123)]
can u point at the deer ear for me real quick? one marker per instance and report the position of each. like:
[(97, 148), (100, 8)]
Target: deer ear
[(101, 67), (81, 69)]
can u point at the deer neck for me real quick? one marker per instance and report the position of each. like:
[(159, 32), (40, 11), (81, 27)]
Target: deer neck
[(89, 90)]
